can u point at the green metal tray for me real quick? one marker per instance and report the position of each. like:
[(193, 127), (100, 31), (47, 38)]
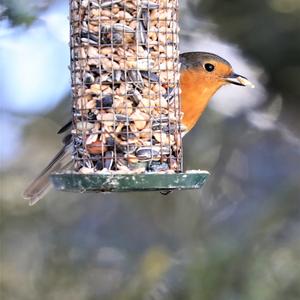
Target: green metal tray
[(75, 182)]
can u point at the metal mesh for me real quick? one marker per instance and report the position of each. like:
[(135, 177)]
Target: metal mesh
[(125, 75)]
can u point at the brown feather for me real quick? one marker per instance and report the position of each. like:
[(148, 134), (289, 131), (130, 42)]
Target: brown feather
[(41, 184)]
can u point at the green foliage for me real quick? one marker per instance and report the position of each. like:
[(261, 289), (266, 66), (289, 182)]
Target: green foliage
[(23, 11)]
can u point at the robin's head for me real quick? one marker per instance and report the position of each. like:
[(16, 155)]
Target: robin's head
[(212, 70)]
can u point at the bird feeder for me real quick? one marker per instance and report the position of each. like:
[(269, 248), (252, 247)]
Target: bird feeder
[(126, 116)]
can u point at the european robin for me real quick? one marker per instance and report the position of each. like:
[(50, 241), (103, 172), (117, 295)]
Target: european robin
[(201, 76)]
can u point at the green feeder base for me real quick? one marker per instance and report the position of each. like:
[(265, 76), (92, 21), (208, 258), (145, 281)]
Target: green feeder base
[(75, 182)]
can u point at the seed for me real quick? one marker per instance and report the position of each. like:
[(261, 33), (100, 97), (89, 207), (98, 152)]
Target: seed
[(106, 50), (140, 119), (89, 38), (126, 147), (122, 28), (122, 169), (109, 3), (83, 126), (131, 158), (141, 36), (91, 104), (107, 119), (132, 24), (123, 118), (147, 153), (162, 137), (88, 78), (136, 78), (149, 5), (108, 160), (91, 139), (144, 64), (115, 9), (105, 102), (152, 77), (85, 170), (96, 147), (158, 166), (124, 15), (109, 64), (136, 96)]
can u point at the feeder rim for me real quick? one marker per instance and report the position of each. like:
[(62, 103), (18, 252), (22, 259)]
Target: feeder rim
[(112, 182)]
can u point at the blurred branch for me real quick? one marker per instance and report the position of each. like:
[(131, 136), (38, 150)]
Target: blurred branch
[(23, 12)]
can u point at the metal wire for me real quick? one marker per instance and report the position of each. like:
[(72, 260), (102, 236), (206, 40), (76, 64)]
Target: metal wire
[(125, 86)]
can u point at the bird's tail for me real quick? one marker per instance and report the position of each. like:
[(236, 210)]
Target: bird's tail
[(41, 184)]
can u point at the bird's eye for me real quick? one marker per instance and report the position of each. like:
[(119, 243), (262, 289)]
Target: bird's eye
[(209, 67)]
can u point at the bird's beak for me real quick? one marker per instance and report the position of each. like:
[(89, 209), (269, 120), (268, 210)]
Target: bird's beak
[(239, 80)]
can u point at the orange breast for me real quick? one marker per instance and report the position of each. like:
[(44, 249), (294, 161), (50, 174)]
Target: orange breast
[(196, 91)]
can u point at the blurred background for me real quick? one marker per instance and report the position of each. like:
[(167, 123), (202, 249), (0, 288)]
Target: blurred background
[(237, 238)]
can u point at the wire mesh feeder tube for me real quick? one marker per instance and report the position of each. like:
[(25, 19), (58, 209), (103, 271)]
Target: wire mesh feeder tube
[(125, 88)]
